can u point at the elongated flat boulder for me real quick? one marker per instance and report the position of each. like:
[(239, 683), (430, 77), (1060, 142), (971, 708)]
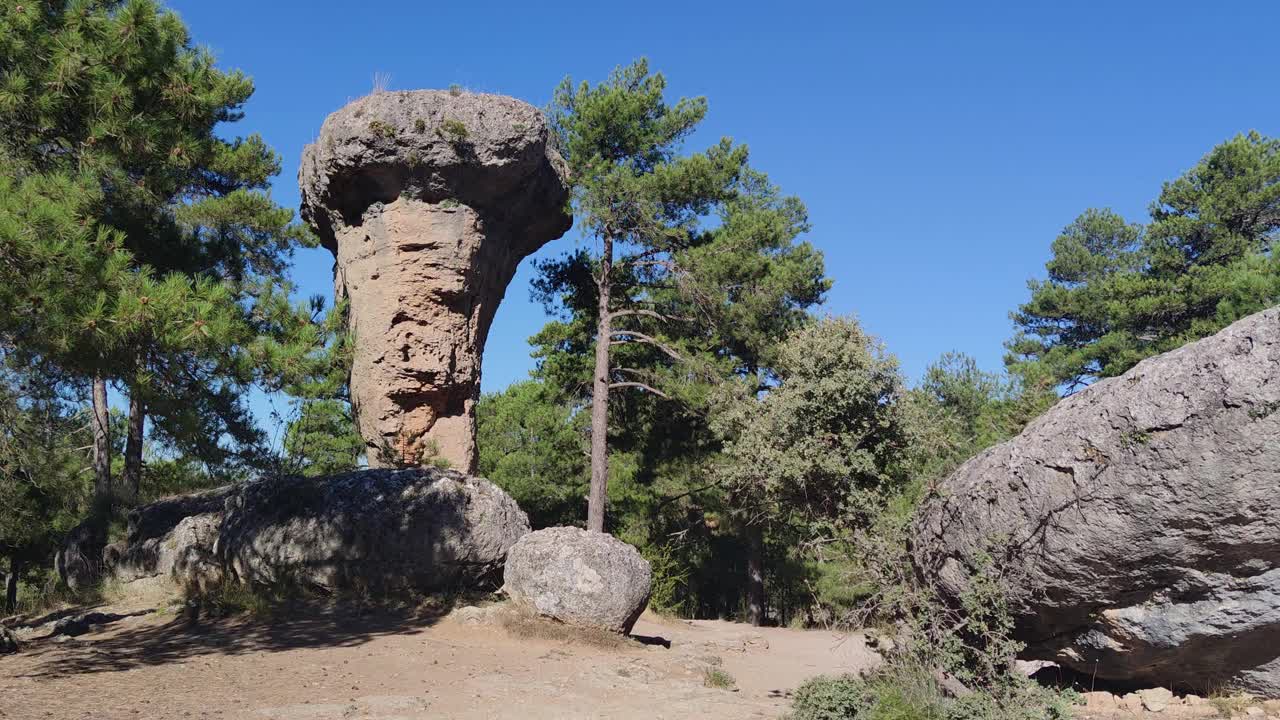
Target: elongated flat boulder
[(378, 531), (428, 200), (381, 531)]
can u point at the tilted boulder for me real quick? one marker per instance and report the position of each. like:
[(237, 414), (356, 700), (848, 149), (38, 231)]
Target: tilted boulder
[(1138, 520), (579, 578), (378, 530), (428, 200)]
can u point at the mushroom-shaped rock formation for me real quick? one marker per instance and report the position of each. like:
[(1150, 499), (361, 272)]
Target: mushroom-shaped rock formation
[(428, 200)]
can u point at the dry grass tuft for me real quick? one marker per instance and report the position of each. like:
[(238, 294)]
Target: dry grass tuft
[(1230, 706), (714, 677)]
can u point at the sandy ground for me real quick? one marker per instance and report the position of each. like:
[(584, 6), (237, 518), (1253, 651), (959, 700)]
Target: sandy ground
[(349, 665), (359, 664)]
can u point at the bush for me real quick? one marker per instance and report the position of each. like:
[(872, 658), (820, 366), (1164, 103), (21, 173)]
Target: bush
[(670, 578), (902, 692), (830, 698)]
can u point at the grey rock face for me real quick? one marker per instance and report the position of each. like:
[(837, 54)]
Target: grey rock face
[(174, 538), (8, 641), (428, 200), (79, 558), (77, 625), (1140, 519), (378, 530), (579, 578)]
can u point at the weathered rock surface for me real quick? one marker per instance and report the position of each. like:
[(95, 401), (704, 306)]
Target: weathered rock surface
[(428, 200), (77, 625), (1138, 520), (173, 538), (8, 641), (79, 558), (377, 530), (579, 578)]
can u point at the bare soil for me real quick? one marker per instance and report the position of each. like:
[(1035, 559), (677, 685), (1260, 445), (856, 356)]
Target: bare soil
[(323, 664)]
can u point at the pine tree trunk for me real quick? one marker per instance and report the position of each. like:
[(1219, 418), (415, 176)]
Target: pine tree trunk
[(755, 575), (132, 479), (101, 443), (11, 587), (600, 399)]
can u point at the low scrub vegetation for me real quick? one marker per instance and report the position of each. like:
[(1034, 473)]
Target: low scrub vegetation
[(903, 692)]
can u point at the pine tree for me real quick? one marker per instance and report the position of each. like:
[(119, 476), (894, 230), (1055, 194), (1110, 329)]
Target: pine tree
[(641, 202), (322, 438), (42, 488), (705, 275), (1117, 292), (115, 95), (532, 445)]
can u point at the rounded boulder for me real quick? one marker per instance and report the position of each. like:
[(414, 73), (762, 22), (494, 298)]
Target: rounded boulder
[(579, 578)]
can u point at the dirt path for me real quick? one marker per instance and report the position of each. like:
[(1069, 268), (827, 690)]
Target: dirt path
[(338, 665)]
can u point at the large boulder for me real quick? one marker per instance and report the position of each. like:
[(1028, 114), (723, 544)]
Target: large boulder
[(172, 538), (428, 200), (377, 530), (78, 560), (579, 577), (1138, 521)]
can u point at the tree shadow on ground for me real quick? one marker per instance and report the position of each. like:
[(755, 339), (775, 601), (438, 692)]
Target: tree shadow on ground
[(122, 647), (34, 621)]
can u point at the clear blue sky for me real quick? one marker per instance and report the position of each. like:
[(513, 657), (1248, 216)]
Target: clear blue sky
[(940, 146)]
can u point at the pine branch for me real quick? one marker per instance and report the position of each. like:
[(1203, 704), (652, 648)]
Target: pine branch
[(642, 386), (648, 313), (641, 337)]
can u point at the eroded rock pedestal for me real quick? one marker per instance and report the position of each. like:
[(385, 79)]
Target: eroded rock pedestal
[(428, 200)]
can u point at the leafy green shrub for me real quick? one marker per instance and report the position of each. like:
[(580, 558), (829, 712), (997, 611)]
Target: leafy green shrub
[(670, 577), (1022, 701), (905, 692), (830, 698)]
